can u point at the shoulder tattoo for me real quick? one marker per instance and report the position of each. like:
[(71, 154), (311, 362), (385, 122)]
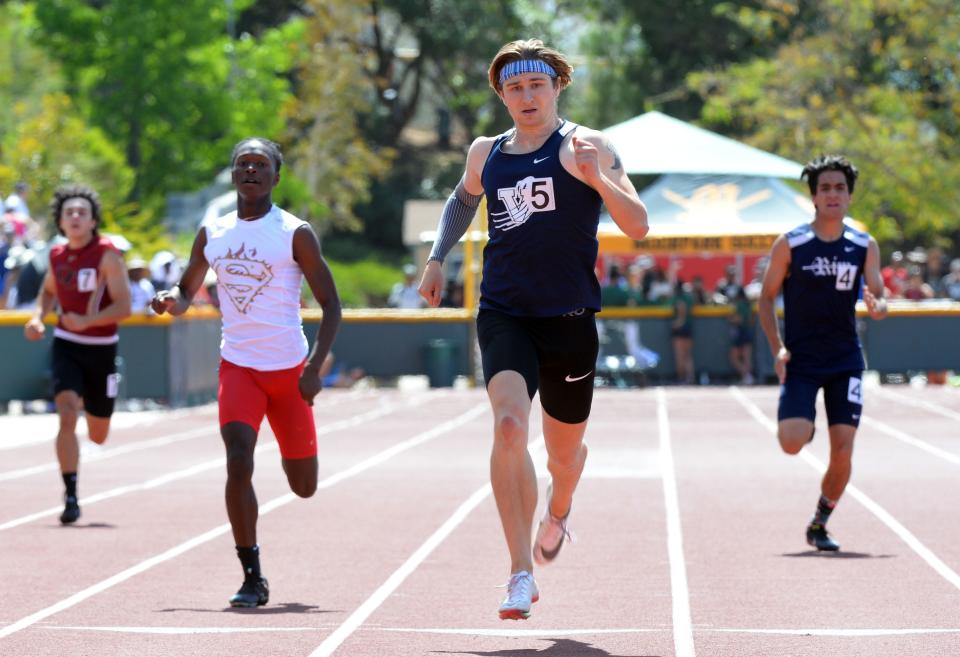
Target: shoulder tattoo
[(616, 156)]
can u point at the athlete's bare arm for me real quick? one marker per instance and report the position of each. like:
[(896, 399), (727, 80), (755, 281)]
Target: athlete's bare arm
[(112, 273), (598, 164), (177, 299), (306, 251), (873, 289), (476, 156), (773, 279), (34, 328), (431, 284)]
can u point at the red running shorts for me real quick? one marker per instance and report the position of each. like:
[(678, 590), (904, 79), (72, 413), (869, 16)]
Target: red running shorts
[(246, 395)]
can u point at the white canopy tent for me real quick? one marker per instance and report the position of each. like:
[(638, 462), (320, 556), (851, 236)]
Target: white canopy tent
[(655, 143), (716, 195)]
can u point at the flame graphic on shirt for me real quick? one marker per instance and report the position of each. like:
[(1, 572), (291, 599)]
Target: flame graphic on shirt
[(242, 276)]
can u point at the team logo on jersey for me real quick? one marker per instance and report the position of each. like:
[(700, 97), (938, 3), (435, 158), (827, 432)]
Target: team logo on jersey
[(522, 200), (845, 272), (242, 276)]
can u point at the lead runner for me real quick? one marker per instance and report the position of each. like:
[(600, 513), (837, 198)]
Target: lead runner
[(544, 181)]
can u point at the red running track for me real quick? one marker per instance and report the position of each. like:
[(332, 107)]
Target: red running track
[(689, 525)]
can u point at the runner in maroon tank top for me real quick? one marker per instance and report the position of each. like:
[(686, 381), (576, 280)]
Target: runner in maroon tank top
[(88, 281)]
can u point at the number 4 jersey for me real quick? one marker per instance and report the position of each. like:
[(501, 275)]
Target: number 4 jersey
[(81, 289), (543, 233), (819, 301)]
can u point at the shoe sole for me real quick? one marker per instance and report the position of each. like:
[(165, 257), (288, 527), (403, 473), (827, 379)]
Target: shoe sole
[(247, 605), (517, 614), (541, 557), (826, 549), (829, 548)]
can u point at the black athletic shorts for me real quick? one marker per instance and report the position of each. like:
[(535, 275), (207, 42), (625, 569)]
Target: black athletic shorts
[(89, 370), (842, 397), (556, 355)]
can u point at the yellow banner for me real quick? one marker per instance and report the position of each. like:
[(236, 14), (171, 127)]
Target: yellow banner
[(758, 243)]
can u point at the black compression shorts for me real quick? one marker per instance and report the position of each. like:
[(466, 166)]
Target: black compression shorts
[(90, 371), (556, 355)]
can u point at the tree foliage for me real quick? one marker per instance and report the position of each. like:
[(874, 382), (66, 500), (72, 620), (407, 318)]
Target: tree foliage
[(876, 80), (165, 82), (425, 66), (333, 160), (638, 54)]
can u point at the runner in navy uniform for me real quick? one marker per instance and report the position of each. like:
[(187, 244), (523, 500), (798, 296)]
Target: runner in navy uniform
[(822, 267), (544, 181)]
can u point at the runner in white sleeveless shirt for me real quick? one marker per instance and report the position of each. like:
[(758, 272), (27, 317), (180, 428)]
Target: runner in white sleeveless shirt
[(260, 255)]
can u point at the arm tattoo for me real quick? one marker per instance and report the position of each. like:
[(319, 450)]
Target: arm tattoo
[(616, 156)]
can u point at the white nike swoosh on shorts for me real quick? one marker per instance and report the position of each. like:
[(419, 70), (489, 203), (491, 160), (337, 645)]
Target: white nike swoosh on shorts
[(570, 379)]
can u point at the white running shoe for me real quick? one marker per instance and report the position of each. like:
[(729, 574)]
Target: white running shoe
[(522, 592), (550, 535)]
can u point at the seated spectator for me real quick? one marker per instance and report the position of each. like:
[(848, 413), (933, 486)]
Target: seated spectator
[(15, 225), (661, 289), (26, 281), (141, 289), (933, 273), (916, 289), (453, 295), (727, 286), (164, 270), (406, 294), (950, 284), (614, 294), (337, 375), (753, 288), (17, 201), (895, 276)]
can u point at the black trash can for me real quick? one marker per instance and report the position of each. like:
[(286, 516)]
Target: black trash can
[(440, 359)]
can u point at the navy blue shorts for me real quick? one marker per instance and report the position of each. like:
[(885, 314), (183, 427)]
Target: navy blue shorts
[(556, 355), (842, 396)]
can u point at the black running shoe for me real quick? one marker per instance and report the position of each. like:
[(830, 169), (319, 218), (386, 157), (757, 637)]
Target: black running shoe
[(253, 593), (71, 510), (818, 537)]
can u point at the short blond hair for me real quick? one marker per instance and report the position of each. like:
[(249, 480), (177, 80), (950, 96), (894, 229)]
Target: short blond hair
[(529, 49)]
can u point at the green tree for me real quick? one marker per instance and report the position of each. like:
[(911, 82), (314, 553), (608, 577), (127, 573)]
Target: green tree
[(877, 80), (165, 81), (638, 54), (425, 65), (333, 161)]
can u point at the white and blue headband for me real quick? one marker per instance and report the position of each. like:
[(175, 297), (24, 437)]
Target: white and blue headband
[(521, 66)]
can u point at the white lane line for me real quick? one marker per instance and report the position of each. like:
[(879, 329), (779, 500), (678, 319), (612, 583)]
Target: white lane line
[(883, 427), (512, 634), (682, 626), (844, 632), (196, 541), (356, 619), (91, 452), (347, 423), (882, 514), (30, 430), (91, 455), (182, 630), (515, 633), (919, 403)]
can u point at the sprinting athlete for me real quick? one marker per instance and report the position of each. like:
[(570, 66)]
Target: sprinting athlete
[(821, 268), (88, 280), (261, 254), (544, 181)]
